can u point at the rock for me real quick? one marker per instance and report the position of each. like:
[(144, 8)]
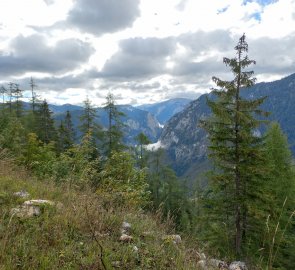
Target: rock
[(116, 264), (21, 194), (212, 264), (203, 256), (237, 265), (202, 265), (126, 238), (125, 228), (135, 249), (38, 202), (25, 211), (30, 208), (175, 238)]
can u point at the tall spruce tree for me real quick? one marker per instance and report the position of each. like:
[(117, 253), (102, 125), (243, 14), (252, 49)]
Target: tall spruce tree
[(88, 124), (66, 133), (114, 133), (89, 127), (142, 140), (236, 151), (33, 94), (45, 128), (18, 103)]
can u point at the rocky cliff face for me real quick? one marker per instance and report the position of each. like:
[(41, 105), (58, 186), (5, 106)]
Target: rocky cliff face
[(186, 143), (182, 137), (163, 111)]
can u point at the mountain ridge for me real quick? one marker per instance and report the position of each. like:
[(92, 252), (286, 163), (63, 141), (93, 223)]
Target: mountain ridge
[(186, 143)]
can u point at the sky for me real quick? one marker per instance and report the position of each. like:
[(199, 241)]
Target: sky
[(142, 51)]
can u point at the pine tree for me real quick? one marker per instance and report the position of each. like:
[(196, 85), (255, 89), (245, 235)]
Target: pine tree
[(142, 140), (45, 124), (33, 94), (66, 133), (235, 149), (88, 122), (18, 103), (279, 242), (114, 132)]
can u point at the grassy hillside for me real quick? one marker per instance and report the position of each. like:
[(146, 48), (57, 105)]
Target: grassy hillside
[(81, 232)]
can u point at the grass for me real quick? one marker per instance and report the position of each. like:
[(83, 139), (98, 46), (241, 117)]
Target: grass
[(81, 234)]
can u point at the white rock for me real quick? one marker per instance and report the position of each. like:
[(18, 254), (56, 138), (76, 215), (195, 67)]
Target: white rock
[(175, 238), (30, 208), (126, 238), (135, 249), (126, 226), (214, 263), (24, 211), (203, 256), (202, 265), (237, 265), (38, 202), (21, 194)]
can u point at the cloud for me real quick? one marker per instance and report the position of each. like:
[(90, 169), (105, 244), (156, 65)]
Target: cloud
[(270, 55), (103, 16), (139, 57), (32, 53), (49, 2)]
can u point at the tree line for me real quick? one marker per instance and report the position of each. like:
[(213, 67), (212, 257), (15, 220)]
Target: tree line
[(97, 157)]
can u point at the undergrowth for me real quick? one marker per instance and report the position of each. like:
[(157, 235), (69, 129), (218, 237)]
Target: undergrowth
[(82, 233)]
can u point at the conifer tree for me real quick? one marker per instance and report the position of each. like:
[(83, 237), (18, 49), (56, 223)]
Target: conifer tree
[(18, 103), (10, 95), (142, 140), (279, 242), (236, 151), (33, 94), (66, 133), (45, 124), (89, 127), (88, 124), (114, 132)]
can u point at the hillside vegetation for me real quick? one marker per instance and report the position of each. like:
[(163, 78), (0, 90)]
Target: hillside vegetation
[(83, 232)]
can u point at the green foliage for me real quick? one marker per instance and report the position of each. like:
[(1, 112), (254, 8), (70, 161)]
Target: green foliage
[(45, 128), (169, 195), (278, 245), (120, 179), (88, 125), (12, 134), (38, 157), (142, 157), (66, 133), (68, 237), (114, 134), (236, 183)]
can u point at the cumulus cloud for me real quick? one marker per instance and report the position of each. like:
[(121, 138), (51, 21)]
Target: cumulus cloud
[(103, 16), (146, 57), (139, 57), (270, 55), (32, 53)]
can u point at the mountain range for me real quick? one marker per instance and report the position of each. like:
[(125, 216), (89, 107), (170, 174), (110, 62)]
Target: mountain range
[(164, 110), (174, 124), (143, 118), (186, 143)]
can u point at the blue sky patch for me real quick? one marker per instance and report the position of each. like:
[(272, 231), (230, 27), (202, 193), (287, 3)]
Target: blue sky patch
[(222, 10), (260, 2)]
